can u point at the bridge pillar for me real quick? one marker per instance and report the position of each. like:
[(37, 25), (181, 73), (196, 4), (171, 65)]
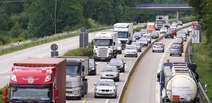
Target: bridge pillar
[(177, 15)]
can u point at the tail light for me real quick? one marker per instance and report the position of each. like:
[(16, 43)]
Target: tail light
[(175, 98), (55, 92), (5, 94)]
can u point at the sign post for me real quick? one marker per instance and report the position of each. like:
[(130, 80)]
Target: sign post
[(83, 41)]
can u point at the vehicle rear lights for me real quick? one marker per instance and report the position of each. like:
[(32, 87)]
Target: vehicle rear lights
[(176, 98)]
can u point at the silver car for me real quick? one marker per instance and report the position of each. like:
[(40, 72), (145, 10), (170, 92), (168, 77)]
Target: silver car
[(138, 46), (136, 36), (119, 63), (154, 35), (110, 72), (158, 47), (105, 88), (143, 42), (175, 50), (130, 50)]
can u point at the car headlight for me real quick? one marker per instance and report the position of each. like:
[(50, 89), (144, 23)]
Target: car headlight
[(13, 78), (48, 78)]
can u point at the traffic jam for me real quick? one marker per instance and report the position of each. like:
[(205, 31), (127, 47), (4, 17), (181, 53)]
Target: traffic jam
[(66, 79)]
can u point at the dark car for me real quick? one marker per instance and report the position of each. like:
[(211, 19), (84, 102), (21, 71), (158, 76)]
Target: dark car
[(119, 63), (169, 34), (154, 35), (92, 67)]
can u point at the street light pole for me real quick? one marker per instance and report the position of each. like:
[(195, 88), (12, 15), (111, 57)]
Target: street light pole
[(55, 17)]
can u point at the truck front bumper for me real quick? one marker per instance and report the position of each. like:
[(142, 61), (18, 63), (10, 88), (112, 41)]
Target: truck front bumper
[(102, 58)]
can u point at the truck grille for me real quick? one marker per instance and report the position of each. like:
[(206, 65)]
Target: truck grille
[(102, 52)]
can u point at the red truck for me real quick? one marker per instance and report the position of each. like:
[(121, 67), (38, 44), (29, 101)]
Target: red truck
[(37, 80)]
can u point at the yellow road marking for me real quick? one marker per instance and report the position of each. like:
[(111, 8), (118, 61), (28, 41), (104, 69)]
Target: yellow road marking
[(185, 49), (131, 77), (84, 99)]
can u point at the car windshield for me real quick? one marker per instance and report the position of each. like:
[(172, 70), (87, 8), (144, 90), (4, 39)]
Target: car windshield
[(91, 63), (130, 47), (105, 83), (143, 39), (143, 31), (72, 70), (109, 69), (31, 94), (175, 46), (122, 34), (158, 44), (103, 42), (146, 36), (115, 62)]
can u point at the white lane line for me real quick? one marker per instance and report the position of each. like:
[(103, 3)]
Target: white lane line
[(107, 101)]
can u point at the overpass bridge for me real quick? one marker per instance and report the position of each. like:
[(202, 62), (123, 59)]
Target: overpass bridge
[(163, 7)]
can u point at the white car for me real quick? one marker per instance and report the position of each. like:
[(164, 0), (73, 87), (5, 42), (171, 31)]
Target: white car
[(138, 46), (163, 30), (130, 50), (110, 72), (105, 88), (143, 41), (158, 46), (148, 37)]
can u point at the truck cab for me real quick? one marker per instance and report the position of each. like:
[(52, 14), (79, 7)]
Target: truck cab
[(105, 46), (37, 80), (150, 27), (161, 21), (76, 83), (125, 33)]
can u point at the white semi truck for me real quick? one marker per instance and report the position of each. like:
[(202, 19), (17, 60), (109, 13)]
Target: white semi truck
[(105, 46), (178, 83), (125, 33), (161, 21)]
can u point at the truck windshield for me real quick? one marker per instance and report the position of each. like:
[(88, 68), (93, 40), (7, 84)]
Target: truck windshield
[(150, 26), (122, 34), (160, 21), (30, 94), (103, 42), (72, 70)]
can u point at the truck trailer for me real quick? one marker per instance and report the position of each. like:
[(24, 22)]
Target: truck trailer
[(37, 80), (125, 33), (178, 83), (161, 21)]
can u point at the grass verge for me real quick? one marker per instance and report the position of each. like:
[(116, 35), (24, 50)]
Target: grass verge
[(138, 29), (201, 57), (81, 51)]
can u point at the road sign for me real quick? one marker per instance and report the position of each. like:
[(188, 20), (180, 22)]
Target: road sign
[(83, 38), (54, 47), (196, 36)]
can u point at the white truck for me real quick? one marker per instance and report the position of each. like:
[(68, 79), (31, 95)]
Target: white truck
[(161, 21), (178, 83), (125, 33), (105, 46)]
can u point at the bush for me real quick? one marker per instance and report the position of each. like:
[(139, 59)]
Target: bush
[(81, 51)]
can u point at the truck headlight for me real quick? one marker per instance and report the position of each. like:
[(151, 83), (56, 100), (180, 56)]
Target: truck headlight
[(48, 78), (13, 78)]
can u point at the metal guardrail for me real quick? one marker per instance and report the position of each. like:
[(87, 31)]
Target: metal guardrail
[(203, 95), (51, 38)]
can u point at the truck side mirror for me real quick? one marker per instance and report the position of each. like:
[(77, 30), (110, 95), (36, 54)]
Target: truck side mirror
[(4, 94), (55, 92), (158, 77)]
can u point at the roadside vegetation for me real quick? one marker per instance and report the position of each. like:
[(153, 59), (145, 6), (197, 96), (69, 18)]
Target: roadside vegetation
[(202, 53), (81, 51), (201, 57)]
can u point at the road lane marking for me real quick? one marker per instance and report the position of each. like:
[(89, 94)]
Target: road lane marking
[(84, 99), (107, 101)]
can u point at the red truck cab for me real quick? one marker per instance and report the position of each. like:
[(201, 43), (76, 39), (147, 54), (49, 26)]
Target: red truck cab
[(37, 80)]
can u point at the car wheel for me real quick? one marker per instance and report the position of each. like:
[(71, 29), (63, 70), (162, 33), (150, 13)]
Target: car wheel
[(153, 51), (180, 55), (170, 54), (136, 55)]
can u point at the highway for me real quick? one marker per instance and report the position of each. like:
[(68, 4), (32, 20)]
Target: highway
[(7, 60)]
